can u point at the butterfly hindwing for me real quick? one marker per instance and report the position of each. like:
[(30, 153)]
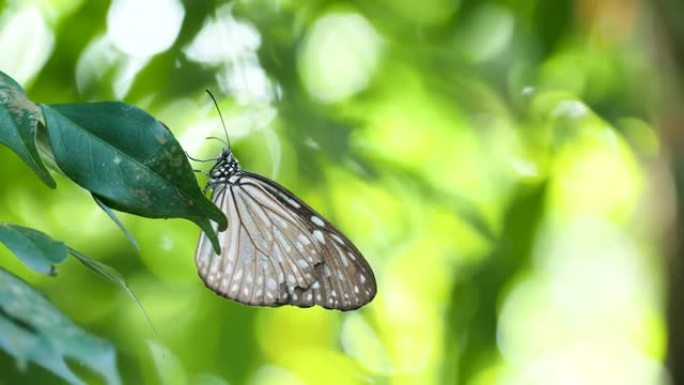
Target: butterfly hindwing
[(344, 280)]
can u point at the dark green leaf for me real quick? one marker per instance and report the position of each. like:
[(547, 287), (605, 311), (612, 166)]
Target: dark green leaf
[(18, 126), (118, 223), (33, 330), (474, 299), (129, 161), (35, 249)]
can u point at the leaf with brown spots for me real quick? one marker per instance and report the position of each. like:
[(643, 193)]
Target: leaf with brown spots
[(129, 161), (19, 119)]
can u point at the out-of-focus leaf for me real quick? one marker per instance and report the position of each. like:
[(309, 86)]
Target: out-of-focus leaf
[(207, 379), (112, 275), (34, 248), (552, 20), (129, 161), (169, 368), (118, 223), (33, 330), (18, 125), (474, 300)]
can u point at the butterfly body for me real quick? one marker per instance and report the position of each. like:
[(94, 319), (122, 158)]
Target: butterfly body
[(278, 250)]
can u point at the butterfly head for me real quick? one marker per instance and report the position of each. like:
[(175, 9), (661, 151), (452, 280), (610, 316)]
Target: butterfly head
[(226, 166)]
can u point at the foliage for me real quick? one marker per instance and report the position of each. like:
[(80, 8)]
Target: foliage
[(31, 329), (124, 157)]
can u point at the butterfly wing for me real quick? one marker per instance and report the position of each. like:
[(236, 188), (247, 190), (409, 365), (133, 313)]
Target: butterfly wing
[(344, 280), (278, 250)]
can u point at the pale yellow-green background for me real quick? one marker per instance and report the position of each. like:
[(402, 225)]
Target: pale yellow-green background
[(494, 161)]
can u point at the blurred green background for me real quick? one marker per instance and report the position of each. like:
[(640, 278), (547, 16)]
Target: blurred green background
[(499, 163)]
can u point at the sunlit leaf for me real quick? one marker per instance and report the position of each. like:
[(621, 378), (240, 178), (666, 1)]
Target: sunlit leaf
[(34, 248), (129, 161), (33, 330), (18, 125), (169, 368)]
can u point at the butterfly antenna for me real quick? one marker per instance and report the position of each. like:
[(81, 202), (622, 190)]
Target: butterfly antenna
[(199, 160), (223, 123), (219, 139)]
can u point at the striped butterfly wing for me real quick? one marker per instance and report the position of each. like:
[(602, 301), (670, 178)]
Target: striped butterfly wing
[(278, 250)]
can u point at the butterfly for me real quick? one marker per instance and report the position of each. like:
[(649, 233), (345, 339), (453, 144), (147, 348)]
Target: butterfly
[(278, 250)]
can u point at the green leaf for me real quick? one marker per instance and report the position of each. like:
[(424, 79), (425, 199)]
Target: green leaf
[(34, 248), (40, 253), (169, 367), (18, 126), (129, 161), (33, 330), (118, 223)]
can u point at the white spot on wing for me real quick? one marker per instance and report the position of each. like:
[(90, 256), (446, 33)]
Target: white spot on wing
[(317, 221), (337, 239), (319, 236)]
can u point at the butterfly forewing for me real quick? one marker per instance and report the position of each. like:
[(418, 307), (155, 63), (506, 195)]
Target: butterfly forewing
[(277, 249)]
